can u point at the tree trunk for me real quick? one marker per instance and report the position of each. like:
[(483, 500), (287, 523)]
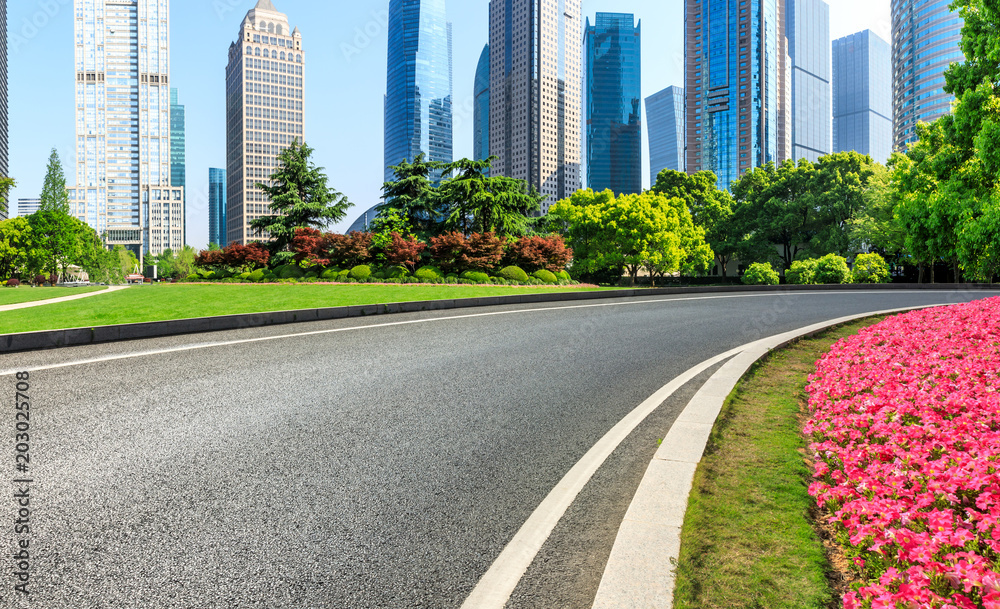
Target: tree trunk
[(932, 272), (723, 262), (920, 276), (958, 271)]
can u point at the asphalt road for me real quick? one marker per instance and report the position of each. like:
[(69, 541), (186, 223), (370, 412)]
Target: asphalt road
[(377, 467)]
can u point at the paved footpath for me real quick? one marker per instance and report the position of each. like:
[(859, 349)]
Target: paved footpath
[(38, 303)]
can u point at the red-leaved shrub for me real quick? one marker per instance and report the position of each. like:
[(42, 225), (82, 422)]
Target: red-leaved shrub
[(536, 253), (404, 250)]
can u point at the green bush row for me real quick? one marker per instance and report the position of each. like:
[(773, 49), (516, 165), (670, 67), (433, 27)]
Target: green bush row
[(291, 273)]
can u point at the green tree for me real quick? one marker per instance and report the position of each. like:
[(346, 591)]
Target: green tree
[(477, 203), (6, 184), (413, 194), (875, 228), (54, 197), (15, 241), (839, 189), (300, 198)]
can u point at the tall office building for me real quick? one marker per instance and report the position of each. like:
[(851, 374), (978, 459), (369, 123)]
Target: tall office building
[(613, 103), (217, 207), (178, 154), (925, 41), (264, 112), (4, 136), (738, 94), (665, 120), (481, 111), (535, 107), (123, 187), (862, 95), (808, 32), (26, 207), (418, 93)]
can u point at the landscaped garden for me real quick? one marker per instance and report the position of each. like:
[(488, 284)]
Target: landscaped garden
[(874, 483)]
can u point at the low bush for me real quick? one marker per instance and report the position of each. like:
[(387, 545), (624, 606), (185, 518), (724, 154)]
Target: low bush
[(53, 279), (256, 276), (564, 275), (761, 273), (13, 282), (803, 272), (330, 274), (546, 276), (476, 276), (832, 269), (290, 271), (513, 273), (396, 272), (361, 272), (312, 275), (39, 280), (871, 268), (429, 272)]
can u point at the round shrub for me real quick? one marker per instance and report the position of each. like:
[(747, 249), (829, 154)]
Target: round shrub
[(330, 274), (513, 273), (761, 273), (13, 282), (396, 272), (546, 276), (361, 272), (256, 276), (40, 280), (871, 268), (291, 271), (53, 279), (803, 272), (312, 275), (832, 269), (476, 276), (564, 275), (428, 272), (344, 274)]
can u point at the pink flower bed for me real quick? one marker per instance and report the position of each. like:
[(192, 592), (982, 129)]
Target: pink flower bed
[(906, 428)]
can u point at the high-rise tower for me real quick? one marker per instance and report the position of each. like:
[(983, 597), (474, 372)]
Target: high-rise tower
[(808, 31), (217, 206), (535, 105), (123, 188), (613, 103), (481, 112), (178, 149), (738, 94), (862, 95), (925, 41), (418, 93), (264, 112), (665, 117)]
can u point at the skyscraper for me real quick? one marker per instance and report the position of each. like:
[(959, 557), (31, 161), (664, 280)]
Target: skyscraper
[(264, 112), (535, 93), (481, 112), (178, 155), (925, 39), (123, 187), (737, 89), (862, 95), (613, 103), (808, 32), (418, 112), (217, 207), (665, 117)]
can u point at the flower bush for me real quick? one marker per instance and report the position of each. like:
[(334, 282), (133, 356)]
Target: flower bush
[(905, 424)]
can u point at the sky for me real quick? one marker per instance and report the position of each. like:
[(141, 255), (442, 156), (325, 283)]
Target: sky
[(345, 44)]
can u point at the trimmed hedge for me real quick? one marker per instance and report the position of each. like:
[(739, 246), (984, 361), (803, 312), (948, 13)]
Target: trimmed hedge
[(761, 273), (13, 282), (871, 268), (396, 272), (513, 273), (428, 272), (832, 269), (803, 272), (476, 277), (256, 276), (546, 276), (361, 272)]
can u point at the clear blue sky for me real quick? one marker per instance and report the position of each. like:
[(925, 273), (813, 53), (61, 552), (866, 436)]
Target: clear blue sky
[(345, 81)]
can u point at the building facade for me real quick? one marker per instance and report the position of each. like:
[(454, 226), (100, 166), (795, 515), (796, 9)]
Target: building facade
[(217, 207), (808, 32), (178, 151), (26, 207), (122, 99), (264, 112), (925, 41), (418, 98), (481, 109), (862, 95), (737, 86), (535, 100), (613, 103), (665, 120)]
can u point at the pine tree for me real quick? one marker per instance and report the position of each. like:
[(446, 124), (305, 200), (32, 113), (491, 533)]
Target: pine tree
[(54, 194)]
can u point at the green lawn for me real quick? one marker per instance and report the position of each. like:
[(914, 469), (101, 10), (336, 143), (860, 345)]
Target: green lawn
[(749, 540), (9, 296), (181, 301)]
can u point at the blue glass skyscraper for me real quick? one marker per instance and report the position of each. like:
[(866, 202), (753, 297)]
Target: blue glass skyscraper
[(925, 38), (737, 94), (613, 106), (862, 95), (178, 150), (481, 111), (217, 207), (665, 117), (808, 31), (418, 99)]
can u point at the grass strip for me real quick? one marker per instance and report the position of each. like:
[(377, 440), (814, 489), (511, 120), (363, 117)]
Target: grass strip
[(9, 296), (182, 301), (749, 540)]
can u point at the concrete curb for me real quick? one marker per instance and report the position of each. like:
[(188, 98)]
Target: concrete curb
[(53, 339), (640, 571)]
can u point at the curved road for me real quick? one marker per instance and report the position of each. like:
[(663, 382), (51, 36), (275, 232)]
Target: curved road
[(360, 463)]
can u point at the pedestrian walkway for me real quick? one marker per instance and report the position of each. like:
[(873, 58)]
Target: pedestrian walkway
[(38, 303)]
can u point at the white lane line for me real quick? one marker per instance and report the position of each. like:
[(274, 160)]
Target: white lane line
[(229, 343)]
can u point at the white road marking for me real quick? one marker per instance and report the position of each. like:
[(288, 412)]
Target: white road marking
[(229, 343)]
